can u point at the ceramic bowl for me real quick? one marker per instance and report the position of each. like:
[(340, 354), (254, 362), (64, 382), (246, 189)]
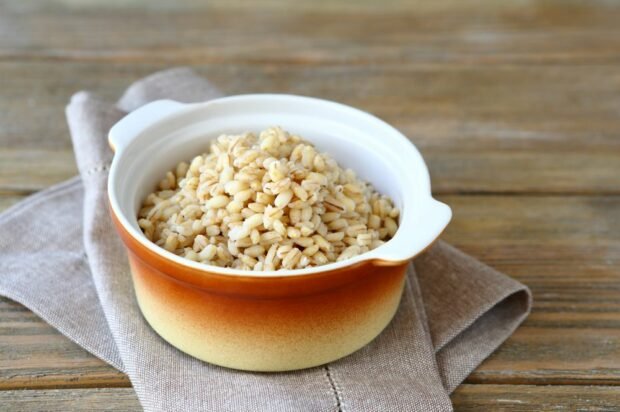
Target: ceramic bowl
[(272, 320)]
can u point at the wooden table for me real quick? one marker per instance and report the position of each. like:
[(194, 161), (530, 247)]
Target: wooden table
[(515, 105)]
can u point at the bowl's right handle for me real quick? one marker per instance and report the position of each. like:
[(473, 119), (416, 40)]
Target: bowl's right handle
[(135, 122), (410, 241)]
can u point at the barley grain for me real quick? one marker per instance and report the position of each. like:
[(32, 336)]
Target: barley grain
[(266, 203)]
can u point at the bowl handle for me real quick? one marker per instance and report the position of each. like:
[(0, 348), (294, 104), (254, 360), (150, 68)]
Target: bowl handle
[(408, 243), (135, 122)]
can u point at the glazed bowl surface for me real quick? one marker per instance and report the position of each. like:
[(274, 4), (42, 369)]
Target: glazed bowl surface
[(270, 320)]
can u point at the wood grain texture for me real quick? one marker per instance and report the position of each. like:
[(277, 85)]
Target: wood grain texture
[(504, 398), (482, 129), (567, 250), (313, 33), (522, 398), (87, 400), (35, 355)]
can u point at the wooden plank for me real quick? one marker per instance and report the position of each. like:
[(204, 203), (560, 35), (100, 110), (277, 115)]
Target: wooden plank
[(465, 398), (87, 400), (482, 129), (29, 170), (535, 398), (566, 248), (7, 201), (555, 355), (35, 355), (546, 230), (343, 32)]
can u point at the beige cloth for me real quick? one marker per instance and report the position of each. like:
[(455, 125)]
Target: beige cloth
[(60, 257)]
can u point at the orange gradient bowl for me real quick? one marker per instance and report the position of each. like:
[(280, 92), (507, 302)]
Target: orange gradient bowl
[(271, 320)]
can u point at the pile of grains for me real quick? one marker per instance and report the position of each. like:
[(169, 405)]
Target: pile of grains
[(266, 203)]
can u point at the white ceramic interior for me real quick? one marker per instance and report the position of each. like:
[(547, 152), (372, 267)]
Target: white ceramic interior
[(155, 138)]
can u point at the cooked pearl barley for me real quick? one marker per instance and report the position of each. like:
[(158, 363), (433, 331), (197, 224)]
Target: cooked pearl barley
[(283, 199), (266, 203)]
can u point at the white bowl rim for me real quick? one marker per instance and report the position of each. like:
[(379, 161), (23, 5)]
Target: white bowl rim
[(168, 109)]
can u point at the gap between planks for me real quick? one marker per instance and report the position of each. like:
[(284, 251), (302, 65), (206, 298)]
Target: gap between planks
[(138, 57)]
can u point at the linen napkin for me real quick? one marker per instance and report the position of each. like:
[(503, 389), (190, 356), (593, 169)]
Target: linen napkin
[(60, 257)]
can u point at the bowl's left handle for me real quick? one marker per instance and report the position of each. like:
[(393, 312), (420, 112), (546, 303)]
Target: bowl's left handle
[(135, 122)]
